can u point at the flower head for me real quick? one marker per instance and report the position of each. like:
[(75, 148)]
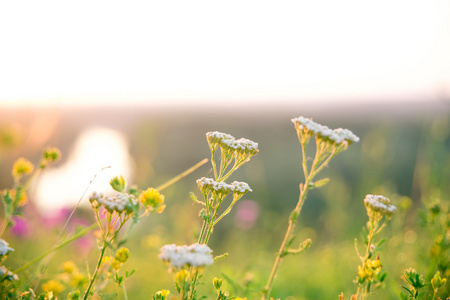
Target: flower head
[(21, 167), (337, 136), (347, 135), (216, 138), (196, 255), (122, 255), (241, 187), (118, 203), (4, 247), (152, 199), (51, 154), (380, 204), (245, 146), (7, 274), (306, 125), (207, 185)]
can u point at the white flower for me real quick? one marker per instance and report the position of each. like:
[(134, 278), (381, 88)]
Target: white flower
[(4, 247), (7, 274), (379, 204), (337, 136), (241, 187), (209, 184), (347, 135), (308, 124), (245, 145), (215, 137), (118, 203), (227, 141), (195, 255)]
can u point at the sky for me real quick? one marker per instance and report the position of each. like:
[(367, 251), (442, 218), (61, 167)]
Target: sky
[(109, 52)]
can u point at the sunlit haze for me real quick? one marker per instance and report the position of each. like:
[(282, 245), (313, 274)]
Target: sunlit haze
[(153, 51), (98, 155)]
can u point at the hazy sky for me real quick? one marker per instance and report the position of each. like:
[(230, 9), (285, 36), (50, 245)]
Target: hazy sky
[(102, 51)]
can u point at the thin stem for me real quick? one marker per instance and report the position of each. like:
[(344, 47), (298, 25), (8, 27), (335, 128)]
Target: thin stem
[(213, 162), (124, 291), (224, 213), (318, 164), (91, 281), (62, 244), (194, 283), (182, 175), (287, 236), (304, 161), (211, 226), (202, 232)]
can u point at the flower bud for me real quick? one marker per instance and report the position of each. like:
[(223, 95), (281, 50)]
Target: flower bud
[(217, 283), (122, 255)]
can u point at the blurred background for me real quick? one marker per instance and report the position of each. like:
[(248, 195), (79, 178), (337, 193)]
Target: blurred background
[(136, 86)]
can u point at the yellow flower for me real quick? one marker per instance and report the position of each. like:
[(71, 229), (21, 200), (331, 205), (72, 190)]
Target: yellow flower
[(181, 276), (161, 295), (361, 272), (53, 286), (22, 167), (69, 267), (152, 199), (122, 255)]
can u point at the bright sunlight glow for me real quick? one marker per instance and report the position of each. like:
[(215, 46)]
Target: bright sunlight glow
[(140, 51), (99, 154)]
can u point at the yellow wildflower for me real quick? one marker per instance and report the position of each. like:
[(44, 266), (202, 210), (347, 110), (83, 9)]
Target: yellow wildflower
[(22, 167), (152, 199), (53, 286)]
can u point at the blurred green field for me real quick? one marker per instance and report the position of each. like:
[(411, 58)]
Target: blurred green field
[(407, 159)]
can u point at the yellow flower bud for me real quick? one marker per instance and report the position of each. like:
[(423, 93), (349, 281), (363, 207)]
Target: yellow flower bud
[(22, 167), (51, 154), (122, 255)]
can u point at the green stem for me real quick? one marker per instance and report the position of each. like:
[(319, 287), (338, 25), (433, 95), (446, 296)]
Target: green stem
[(210, 227), (92, 280), (62, 244), (124, 291), (202, 232), (182, 175), (318, 164), (287, 237)]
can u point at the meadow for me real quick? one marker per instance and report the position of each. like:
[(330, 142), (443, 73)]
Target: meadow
[(401, 251)]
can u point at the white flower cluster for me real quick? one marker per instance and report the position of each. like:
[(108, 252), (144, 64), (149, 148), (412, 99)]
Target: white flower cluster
[(7, 274), (209, 184), (241, 187), (4, 247), (228, 141), (218, 137), (379, 204), (118, 203), (195, 255), (337, 136)]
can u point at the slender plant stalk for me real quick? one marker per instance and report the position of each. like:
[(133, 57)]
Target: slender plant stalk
[(321, 160), (182, 175), (287, 237), (60, 245), (124, 291), (91, 281)]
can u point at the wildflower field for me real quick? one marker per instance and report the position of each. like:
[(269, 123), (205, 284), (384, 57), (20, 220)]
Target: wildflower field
[(300, 208)]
